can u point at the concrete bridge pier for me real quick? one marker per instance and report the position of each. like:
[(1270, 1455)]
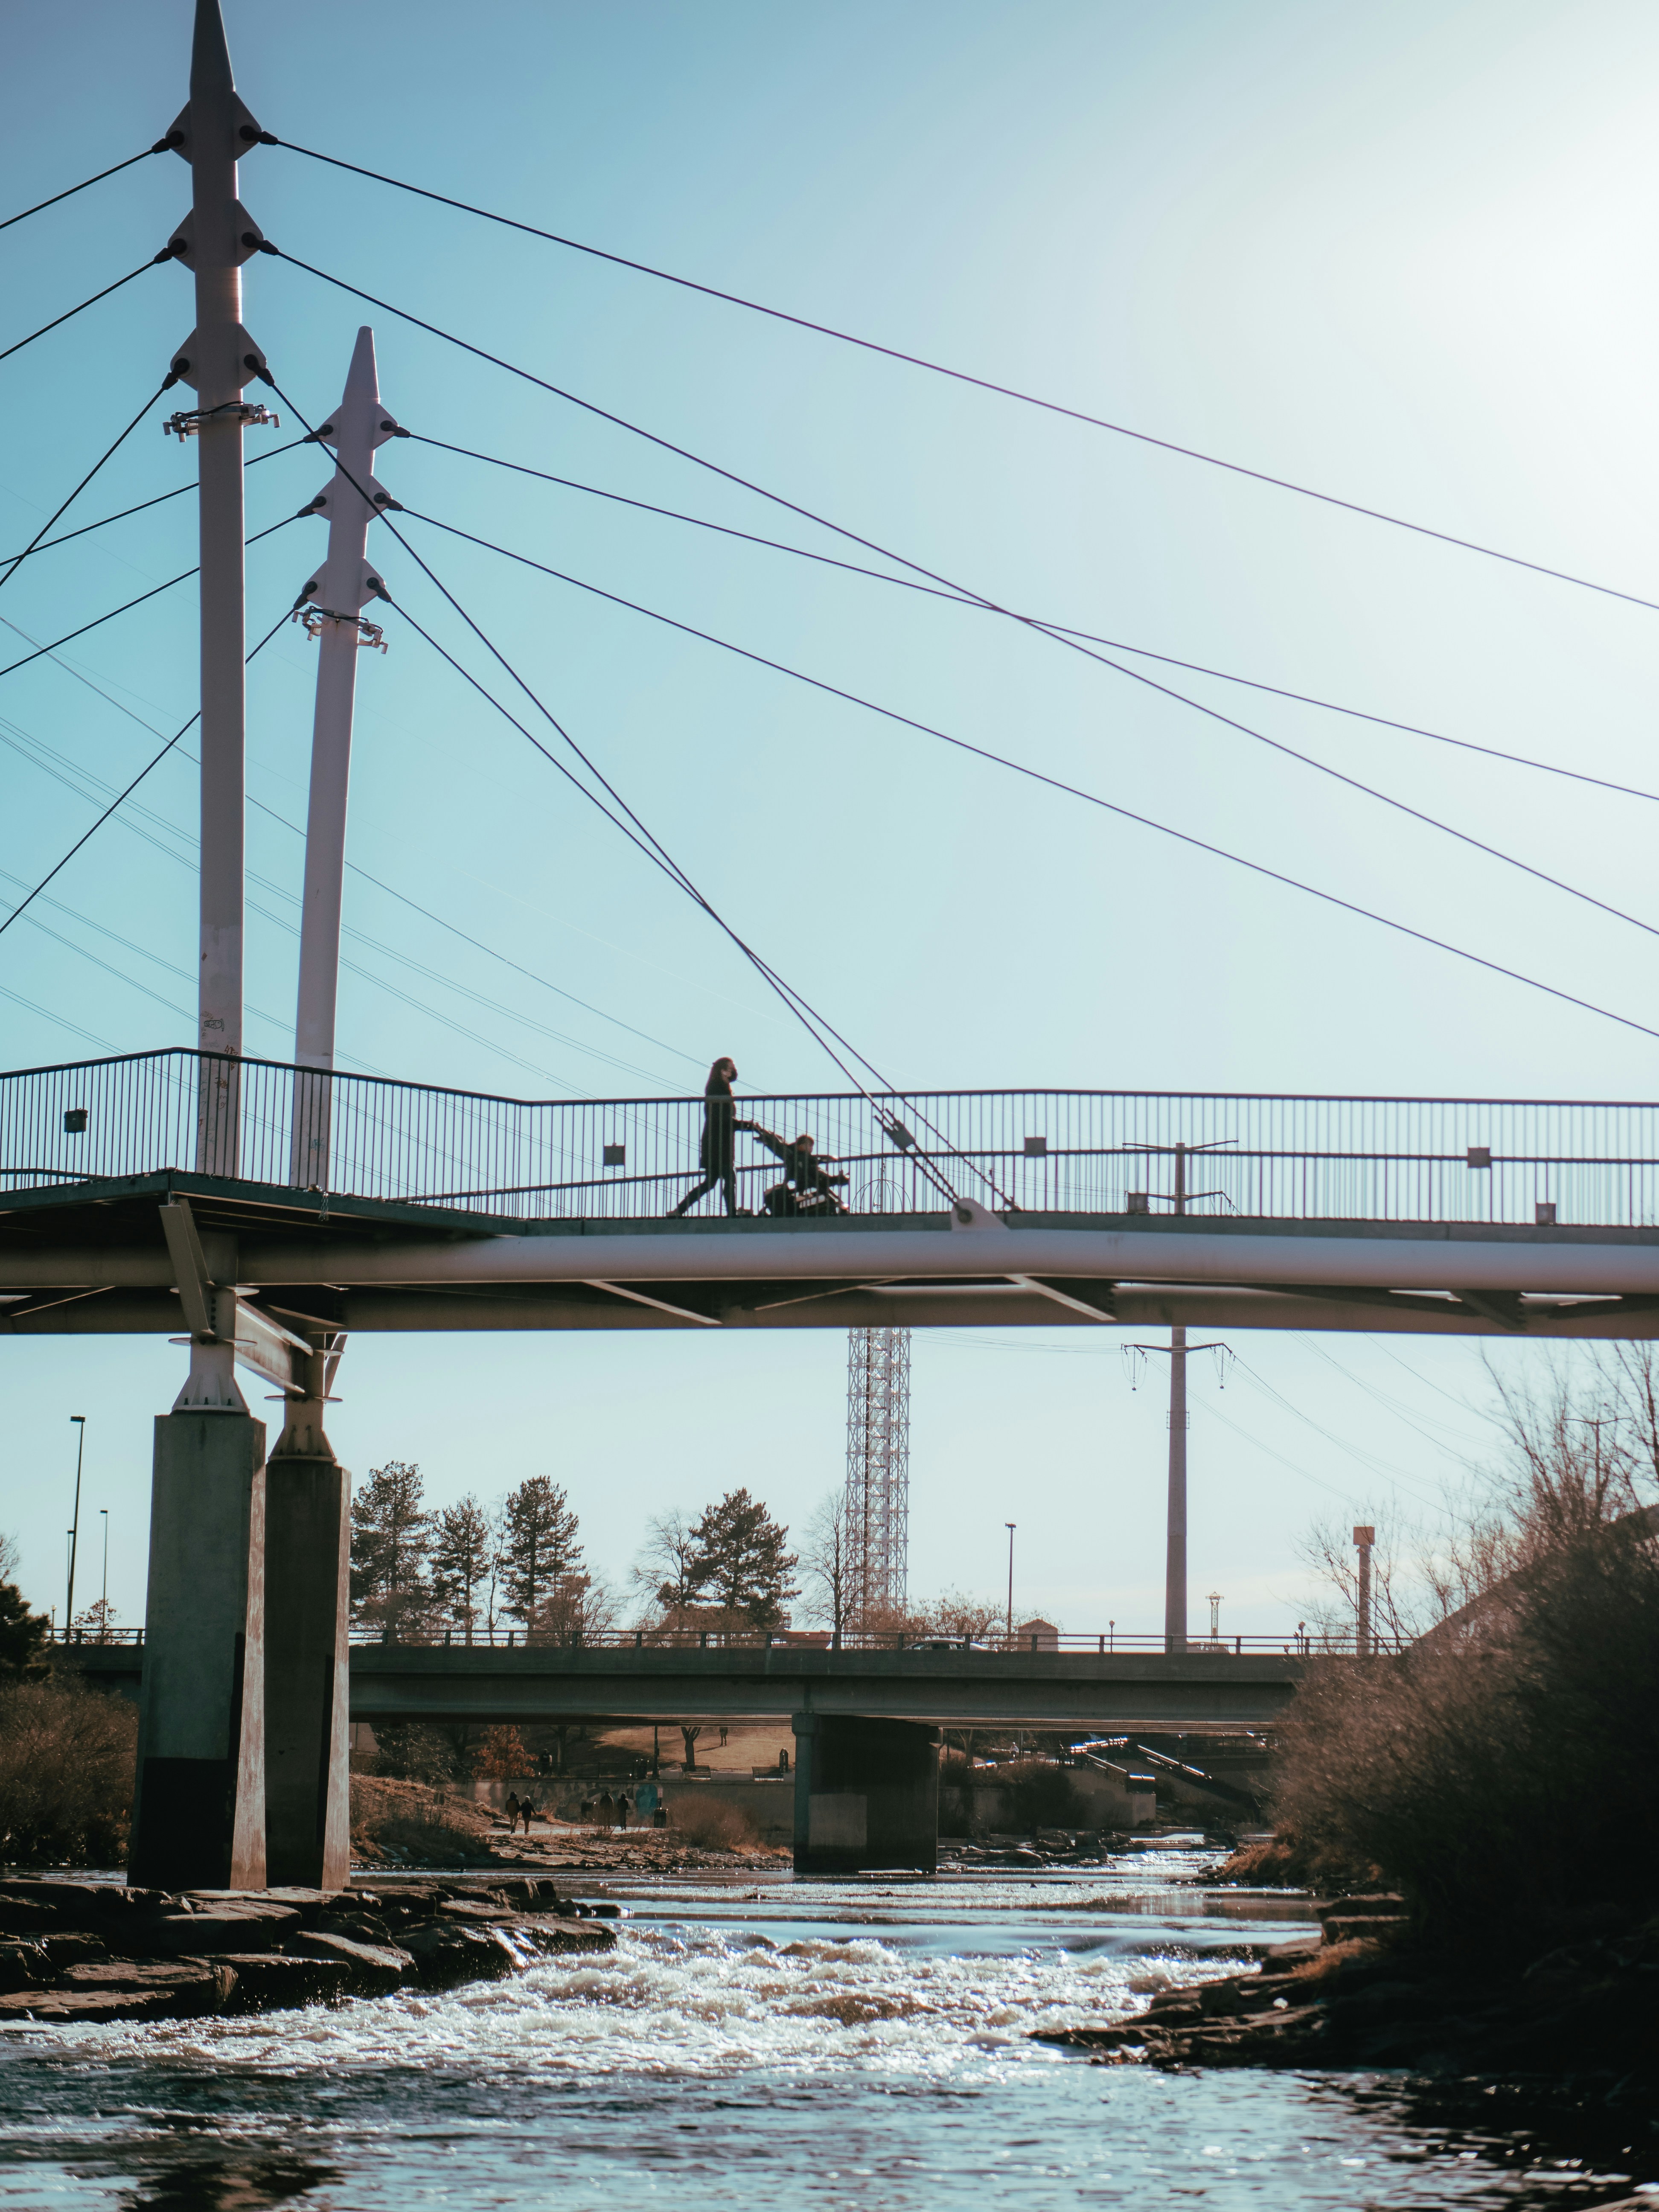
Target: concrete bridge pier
[(199, 1809), (867, 1794), (308, 1553)]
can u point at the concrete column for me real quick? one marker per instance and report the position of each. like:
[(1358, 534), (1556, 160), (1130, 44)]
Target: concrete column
[(199, 1809), (867, 1794), (307, 1657)]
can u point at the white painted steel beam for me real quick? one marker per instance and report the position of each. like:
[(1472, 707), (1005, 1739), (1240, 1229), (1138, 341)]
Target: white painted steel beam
[(1300, 1257)]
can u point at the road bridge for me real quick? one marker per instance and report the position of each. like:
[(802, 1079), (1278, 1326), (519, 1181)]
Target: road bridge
[(540, 1682), (866, 1723)]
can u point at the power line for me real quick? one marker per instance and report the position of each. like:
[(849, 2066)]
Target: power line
[(160, 500), (959, 598), (167, 383), (166, 255), (1073, 791), (982, 383), (184, 576), (161, 146), (59, 866), (36, 746)]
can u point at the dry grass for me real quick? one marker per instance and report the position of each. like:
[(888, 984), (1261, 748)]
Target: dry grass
[(1331, 1958), (715, 1826), (411, 1824)]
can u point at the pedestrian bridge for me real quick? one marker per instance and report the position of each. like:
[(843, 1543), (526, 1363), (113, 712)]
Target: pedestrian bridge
[(540, 1682), (133, 1191)]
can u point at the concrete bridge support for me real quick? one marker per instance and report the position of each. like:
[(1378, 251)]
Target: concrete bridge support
[(199, 1810), (867, 1794), (307, 1654)]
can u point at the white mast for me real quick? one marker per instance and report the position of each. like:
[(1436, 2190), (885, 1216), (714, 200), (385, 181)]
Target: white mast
[(344, 585)]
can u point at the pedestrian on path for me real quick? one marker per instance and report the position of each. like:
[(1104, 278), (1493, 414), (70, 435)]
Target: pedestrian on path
[(716, 1153)]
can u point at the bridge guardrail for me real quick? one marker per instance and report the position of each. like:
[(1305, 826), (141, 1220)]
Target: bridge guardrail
[(1296, 1644), (1035, 1151)]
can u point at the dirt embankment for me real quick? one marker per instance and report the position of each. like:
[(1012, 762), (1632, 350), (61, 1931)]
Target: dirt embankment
[(413, 1824)]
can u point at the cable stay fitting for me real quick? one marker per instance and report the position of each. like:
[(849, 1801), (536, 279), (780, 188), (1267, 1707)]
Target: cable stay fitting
[(311, 618), (189, 423)]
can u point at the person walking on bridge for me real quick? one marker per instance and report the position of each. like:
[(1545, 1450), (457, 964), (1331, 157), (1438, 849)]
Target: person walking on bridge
[(716, 1154)]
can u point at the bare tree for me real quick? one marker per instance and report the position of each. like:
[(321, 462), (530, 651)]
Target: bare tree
[(577, 1609), (829, 1561), (664, 1573)]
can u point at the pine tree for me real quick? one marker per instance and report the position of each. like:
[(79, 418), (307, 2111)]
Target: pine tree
[(462, 1555), (390, 1547), (539, 1545), (740, 1560), (23, 1637)]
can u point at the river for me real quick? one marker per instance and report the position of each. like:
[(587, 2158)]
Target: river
[(774, 2044)]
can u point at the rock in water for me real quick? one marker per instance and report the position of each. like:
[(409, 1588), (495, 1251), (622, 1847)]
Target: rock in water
[(446, 1951), (375, 1968)]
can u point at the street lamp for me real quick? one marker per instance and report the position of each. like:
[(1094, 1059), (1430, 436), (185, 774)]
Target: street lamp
[(1010, 1526), (103, 1610), (80, 1421)]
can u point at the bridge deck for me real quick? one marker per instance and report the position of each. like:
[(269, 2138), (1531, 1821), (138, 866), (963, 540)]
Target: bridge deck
[(448, 1211), (958, 1689)]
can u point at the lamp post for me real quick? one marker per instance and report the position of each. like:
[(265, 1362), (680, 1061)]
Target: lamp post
[(80, 1421), (1010, 1526), (103, 1609)]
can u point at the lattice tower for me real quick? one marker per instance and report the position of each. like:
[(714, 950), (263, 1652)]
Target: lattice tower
[(878, 1470)]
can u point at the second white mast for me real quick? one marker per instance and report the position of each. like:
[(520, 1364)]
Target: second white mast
[(338, 593)]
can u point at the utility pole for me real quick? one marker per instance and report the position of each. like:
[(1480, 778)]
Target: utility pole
[(217, 359), (1175, 1546), (1010, 1526), (340, 588), (79, 1422), (1363, 1538)]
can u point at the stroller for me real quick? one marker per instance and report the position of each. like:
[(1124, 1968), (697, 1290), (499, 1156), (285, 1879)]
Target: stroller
[(808, 1187)]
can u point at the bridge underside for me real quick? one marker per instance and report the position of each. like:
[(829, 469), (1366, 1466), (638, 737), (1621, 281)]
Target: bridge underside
[(1197, 1691), (93, 1260)]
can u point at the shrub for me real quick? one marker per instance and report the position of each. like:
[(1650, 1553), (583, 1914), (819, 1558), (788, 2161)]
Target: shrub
[(66, 1774), (716, 1827), (1504, 1771)]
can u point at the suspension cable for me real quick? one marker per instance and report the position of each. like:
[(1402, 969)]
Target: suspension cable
[(161, 146), (70, 313), (160, 500), (183, 576), (958, 598), (155, 763), (816, 1024), (167, 383), (982, 383), (1307, 760)]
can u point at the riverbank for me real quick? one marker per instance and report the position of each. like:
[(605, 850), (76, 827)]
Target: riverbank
[(1580, 2014), (94, 1953)]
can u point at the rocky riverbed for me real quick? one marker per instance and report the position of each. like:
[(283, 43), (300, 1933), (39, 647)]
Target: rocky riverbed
[(1580, 2015), (94, 1952)]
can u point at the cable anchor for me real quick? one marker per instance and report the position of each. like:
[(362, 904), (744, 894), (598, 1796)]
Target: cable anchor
[(189, 423)]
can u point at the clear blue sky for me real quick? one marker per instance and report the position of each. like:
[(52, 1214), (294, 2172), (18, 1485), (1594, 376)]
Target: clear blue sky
[(1396, 253)]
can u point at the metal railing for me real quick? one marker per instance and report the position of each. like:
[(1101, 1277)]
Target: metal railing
[(1295, 1643), (1085, 1152)]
